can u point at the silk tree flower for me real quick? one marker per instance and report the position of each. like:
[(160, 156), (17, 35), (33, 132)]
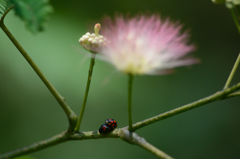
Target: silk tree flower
[(145, 45), (93, 42)]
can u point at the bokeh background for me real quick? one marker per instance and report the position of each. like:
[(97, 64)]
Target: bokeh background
[(29, 113)]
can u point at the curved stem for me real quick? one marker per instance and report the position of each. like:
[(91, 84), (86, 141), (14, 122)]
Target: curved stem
[(77, 128), (215, 97), (130, 82), (70, 114), (232, 72)]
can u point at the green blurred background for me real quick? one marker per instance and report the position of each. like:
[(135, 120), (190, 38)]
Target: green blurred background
[(29, 113)]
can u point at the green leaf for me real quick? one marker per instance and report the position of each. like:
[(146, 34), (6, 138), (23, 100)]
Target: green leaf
[(33, 12), (5, 6)]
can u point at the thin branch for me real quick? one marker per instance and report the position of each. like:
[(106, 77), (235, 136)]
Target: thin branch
[(70, 114), (215, 97), (65, 136), (77, 128), (233, 94), (133, 138), (232, 72), (36, 146)]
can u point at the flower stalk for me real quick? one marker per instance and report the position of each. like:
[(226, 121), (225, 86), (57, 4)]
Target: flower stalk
[(130, 83), (232, 72), (238, 58), (86, 93)]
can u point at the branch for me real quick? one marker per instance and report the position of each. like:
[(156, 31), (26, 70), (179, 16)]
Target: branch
[(122, 133), (232, 72), (224, 94), (36, 146), (57, 139), (77, 128), (133, 138), (72, 118), (233, 95)]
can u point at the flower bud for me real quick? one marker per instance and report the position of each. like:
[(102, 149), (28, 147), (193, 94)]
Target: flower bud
[(93, 42)]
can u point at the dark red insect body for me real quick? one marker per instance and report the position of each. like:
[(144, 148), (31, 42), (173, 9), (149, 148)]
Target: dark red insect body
[(111, 123)]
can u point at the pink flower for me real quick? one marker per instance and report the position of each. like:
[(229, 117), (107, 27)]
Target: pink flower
[(145, 45)]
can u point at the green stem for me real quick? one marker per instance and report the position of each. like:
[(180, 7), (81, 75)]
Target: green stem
[(130, 83), (238, 59), (227, 93), (232, 72), (70, 114), (133, 138), (235, 19), (36, 146), (57, 139), (77, 128), (234, 94), (122, 133)]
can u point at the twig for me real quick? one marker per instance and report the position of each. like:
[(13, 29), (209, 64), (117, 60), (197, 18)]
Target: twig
[(77, 128), (232, 72), (215, 97), (36, 146), (72, 118)]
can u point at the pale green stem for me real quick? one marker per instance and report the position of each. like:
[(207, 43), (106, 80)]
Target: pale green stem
[(234, 94), (232, 72), (77, 128), (57, 139), (130, 83), (70, 114), (238, 59), (36, 146), (224, 94)]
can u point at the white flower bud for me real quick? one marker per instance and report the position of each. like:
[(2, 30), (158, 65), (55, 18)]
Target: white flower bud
[(93, 42)]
